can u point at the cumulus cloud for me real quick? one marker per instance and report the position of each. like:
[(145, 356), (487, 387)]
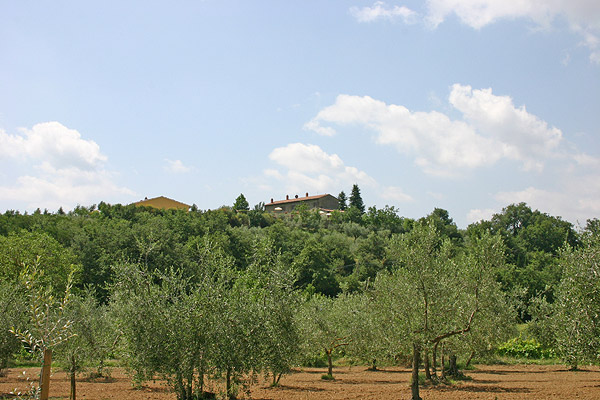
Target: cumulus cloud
[(307, 167), (477, 215), (54, 143), (395, 193), (176, 167), (380, 10), (583, 16), (53, 166), (492, 129), (578, 199)]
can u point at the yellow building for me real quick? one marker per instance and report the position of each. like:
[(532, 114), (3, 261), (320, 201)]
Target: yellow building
[(164, 203)]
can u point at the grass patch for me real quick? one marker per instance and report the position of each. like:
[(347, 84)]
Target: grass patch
[(327, 377)]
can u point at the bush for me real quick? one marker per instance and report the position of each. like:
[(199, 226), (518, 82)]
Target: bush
[(525, 348)]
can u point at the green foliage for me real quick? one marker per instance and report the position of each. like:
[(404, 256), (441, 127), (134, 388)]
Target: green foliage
[(53, 263), (533, 240), (241, 204), (576, 312), (342, 201), (48, 324), (94, 336), (12, 315), (519, 347), (356, 200)]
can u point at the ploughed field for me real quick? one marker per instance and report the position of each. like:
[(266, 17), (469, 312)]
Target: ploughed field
[(488, 382)]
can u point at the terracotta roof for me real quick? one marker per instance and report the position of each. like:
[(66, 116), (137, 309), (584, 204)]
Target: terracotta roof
[(293, 200)]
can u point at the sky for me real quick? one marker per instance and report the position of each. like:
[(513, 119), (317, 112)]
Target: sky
[(465, 105)]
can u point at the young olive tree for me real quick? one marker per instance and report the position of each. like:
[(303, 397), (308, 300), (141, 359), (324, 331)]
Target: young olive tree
[(94, 337), (320, 321), (47, 325)]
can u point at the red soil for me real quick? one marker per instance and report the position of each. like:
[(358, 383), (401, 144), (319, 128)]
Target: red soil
[(488, 382)]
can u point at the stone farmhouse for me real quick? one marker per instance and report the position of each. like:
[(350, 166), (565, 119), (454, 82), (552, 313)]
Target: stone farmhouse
[(324, 202)]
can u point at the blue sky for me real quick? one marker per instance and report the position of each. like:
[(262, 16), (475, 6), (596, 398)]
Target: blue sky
[(467, 105)]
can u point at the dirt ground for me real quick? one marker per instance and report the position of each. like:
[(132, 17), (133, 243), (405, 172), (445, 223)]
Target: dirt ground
[(488, 382)]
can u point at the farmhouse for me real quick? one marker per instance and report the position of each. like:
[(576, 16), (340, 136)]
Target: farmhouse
[(164, 203), (323, 202)]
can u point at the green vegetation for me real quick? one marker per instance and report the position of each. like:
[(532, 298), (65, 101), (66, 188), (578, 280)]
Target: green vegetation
[(212, 296)]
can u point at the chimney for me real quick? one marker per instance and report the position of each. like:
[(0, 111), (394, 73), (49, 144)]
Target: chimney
[(271, 199), (296, 196), (306, 194), (287, 196)]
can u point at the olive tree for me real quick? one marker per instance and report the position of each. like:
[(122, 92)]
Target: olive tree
[(271, 283), (163, 324), (321, 325), (12, 314), (433, 294), (47, 324), (94, 337), (576, 311)]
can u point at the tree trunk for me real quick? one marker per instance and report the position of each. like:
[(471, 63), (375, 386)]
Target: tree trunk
[(179, 387), (434, 359), (190, 387), (73, 395), (443, 366), (228, 387), (452, 367), (414, 382), (469, 359), (45, 378), (330, 362), (426, 365), (201, 378)]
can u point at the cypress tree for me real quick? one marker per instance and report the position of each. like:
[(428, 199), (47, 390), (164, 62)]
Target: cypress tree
[(356, 200)]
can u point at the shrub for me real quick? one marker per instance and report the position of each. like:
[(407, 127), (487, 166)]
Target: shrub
[(525, 348)]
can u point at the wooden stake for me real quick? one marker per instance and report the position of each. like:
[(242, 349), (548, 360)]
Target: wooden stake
[(46, 374)]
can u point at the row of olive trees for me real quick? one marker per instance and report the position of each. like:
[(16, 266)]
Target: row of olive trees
[(437, 301), (223, 323)]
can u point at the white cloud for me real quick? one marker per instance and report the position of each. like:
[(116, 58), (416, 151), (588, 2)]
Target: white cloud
[(307, 167), (321, 130), (395, 193), (54, 143), (492, 129), (380, 10), (577, 200), (176, 167), (523, 136), (583, 16), (53, 166), (477, 215)]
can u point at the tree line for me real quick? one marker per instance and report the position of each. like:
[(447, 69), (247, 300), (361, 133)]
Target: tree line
[(222, 295)]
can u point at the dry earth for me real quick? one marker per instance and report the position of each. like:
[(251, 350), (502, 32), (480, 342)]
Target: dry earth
[(488, 382)]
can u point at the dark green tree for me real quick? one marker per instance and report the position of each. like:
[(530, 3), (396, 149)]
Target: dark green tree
[(342, 200), (241, 204), (356, 199)]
